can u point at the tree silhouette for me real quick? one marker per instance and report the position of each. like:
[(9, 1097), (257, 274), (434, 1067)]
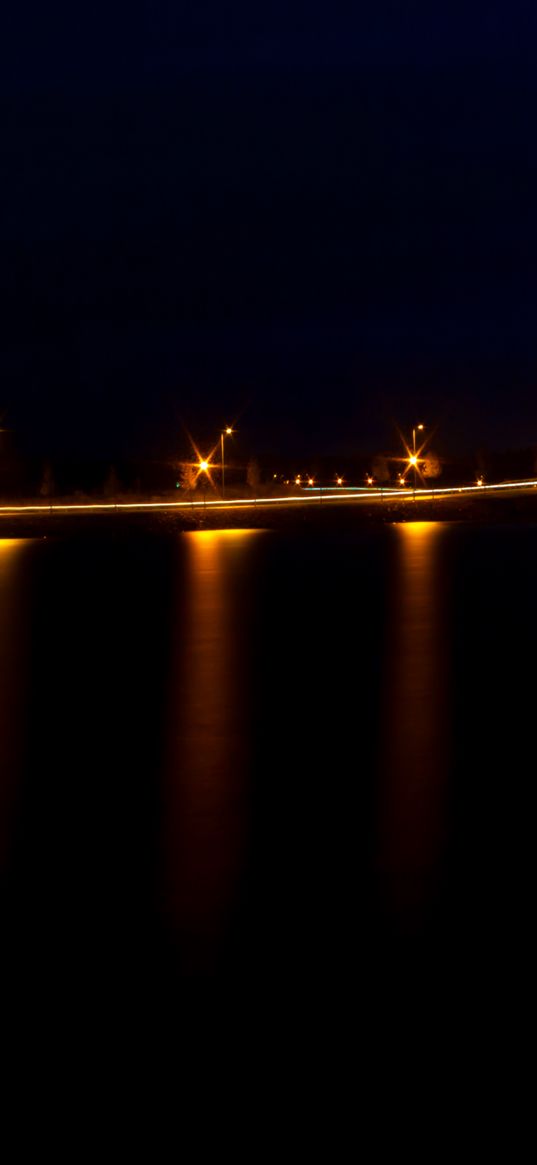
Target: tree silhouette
[(381, 469), (253, 476), (111, 485), (431, 465), (187, 476), (47, 487)]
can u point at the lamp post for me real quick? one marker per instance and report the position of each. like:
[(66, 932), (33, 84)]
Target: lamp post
[(203, 467), (224, 433), (414, 458)]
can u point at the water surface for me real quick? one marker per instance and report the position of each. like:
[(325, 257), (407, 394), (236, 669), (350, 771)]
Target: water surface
[(267, 761)]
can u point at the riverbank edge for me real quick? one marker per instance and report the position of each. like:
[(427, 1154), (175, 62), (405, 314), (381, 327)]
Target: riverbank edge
[(297, 516)]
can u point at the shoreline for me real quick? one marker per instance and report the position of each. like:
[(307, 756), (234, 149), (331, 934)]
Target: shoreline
[(488, 509)]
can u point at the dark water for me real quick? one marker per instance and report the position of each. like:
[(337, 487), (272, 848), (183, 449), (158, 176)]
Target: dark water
[(268, 766)]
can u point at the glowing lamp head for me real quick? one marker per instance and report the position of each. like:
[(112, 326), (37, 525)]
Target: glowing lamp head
[(310, 481), (370, 481), (413, 461), (340, 481), (421, 426), (204, 466), (229, 431)]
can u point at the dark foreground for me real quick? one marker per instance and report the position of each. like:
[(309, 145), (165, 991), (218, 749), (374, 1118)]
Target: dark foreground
[(245, 774)]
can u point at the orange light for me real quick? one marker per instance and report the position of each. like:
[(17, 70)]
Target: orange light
[(229, 431), (310, 481), (413, 460), (237, 503), (340, 481), (204, 466), (370, 481)]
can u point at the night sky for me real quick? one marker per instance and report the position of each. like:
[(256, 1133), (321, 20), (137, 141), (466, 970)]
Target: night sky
[(315, 218)]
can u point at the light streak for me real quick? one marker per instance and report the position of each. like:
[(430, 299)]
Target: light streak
[(311, 496)]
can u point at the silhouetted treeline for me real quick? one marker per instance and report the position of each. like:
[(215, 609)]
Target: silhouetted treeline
[(47, 477)]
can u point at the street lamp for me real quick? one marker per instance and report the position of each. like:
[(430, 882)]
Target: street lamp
[(204, 466), (413, 461), (224, 433), (419, 427)]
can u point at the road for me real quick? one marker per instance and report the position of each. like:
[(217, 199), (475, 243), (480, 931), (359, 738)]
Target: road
[(311, 495)]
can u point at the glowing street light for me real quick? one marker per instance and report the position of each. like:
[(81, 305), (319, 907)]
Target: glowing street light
[(413, 460), (205, 466), (224, 433)]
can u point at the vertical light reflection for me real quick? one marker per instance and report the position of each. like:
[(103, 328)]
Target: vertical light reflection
[(13, 640), (415, 727), (207, 794)]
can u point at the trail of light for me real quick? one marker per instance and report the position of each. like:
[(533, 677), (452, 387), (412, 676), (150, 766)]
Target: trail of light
[(100, 506), (286, 499)]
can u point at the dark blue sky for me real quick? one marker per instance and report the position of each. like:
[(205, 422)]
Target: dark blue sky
[(102, 43), (318, 215)]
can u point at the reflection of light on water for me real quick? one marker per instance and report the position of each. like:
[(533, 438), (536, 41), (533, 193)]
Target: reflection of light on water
[(415, 730), (205, 811), (12, 664), (8, 544)]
